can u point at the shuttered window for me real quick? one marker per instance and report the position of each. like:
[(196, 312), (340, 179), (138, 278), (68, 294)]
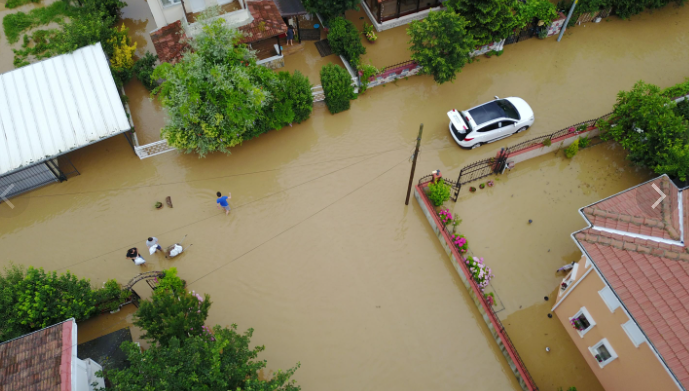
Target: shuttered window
[(609, 298)]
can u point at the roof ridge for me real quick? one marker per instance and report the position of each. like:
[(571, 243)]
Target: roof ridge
[(631, 246), (664, 224), (666, 211)]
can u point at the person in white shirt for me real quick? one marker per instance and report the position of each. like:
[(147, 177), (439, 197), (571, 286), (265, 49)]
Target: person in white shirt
[(151, 243)]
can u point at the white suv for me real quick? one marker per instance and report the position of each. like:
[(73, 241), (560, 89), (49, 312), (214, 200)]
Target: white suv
[(490, 121)]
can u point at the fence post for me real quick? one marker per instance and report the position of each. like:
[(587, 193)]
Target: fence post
[(413, 165), (569, 16)]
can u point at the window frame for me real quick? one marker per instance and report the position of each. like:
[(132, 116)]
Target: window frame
[(611, 295), (171, 3), (631, 327), (589, 318), (608, 347)]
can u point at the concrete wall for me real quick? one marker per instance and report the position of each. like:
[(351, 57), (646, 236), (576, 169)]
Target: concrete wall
[(165, 15), (492, 322), (276, 63), (559, 143), (635, 368)]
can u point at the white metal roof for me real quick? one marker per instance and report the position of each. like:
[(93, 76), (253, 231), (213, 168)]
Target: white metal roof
[(56, 106)]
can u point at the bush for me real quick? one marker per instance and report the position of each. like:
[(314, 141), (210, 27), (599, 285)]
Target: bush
[(438, 192), (143, 69), (584, 142), (299, 93), (677, 90), (36, 299), (572, 149), (345, 40), (337, 86), (440, 44), (547, 142), (367, 72)]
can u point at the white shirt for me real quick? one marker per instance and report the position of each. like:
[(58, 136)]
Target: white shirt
[(152, 243)]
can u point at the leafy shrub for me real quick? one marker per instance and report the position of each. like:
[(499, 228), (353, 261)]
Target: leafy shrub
[(547, 142), (170, 282), (584, 142), (217, 359), (143, 69), (438, 192), (36, 299), (487, 20), (17, 3), (345, 41), (14, 24), (648, 128), (541, 10), (682, 109), (572, 149), (677, 90), (337, 86), (367, 72), (369, 32), (300, 96), (172, 314), (441, 44)]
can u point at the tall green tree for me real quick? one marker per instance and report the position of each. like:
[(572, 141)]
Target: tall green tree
[(172, 312), (487, 20), (345, 40), (219, 360), (646, 124), (441, 44), (217, 96), (329, 9)]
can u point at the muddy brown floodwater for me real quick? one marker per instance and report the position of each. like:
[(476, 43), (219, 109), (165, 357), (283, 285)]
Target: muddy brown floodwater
[(319, 253)]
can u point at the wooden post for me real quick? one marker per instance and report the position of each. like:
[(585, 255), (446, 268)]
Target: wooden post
[(413, 164)]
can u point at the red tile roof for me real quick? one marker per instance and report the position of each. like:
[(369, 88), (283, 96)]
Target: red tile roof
[(649, 271), (40, 361), (170, 42), (267, 21)]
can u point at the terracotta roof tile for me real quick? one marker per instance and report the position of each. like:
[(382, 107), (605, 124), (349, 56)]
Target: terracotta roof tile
[(650, 277), (170, 42), (267, 21), (38, 361)]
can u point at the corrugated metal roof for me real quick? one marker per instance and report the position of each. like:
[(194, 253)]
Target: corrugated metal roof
[(56, 106)]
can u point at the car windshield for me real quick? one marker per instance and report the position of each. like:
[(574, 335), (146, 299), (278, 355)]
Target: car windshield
[(508, 108), (493, 110)]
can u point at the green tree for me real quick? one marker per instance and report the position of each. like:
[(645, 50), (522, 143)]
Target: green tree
[(217, 96), (647, 126), (172, 311), (36, 299), (345, 40), (218, 360), (299, 92), (143, 69), (337, 86), (441, 44), (329, 9), (535, 10), (487, 20)]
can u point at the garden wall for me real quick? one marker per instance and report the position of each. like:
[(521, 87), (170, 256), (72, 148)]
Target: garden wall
[(494, 325), (556, 144)]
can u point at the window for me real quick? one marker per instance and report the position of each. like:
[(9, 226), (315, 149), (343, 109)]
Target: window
[(603, 352), (508, 108), (167, 3), (582, 321), (490, 127), (609, 298), (634, 333)]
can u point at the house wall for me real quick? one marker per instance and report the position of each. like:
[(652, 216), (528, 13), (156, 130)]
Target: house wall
[(165, 15), (635, 368), (395, 22)]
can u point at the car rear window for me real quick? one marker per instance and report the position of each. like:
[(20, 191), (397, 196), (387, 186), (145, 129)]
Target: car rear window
[(494, 110)]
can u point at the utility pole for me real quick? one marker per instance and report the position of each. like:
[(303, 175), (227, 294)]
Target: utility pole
[(569, 16), (413, 164)]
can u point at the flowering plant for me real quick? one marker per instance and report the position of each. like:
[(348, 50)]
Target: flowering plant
[(445, 216), (577, 324), (461, 242), (481, 273), (490, 299)]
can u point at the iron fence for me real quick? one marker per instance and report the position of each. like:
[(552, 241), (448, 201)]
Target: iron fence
[(398, 65), (562, 132)]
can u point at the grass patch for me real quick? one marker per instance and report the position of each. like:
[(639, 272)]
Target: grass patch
[(15, 24), (17, 3)]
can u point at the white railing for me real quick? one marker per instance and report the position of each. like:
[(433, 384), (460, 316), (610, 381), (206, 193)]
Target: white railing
[(318, 93), (153, 149)]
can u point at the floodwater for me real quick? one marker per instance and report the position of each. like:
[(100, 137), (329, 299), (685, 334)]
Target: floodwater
[(309, 62), (389, 49), (319, 253)]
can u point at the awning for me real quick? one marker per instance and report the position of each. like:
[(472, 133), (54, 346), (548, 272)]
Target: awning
[(290, 8), (56, 106)]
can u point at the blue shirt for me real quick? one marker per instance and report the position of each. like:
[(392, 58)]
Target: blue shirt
[(222, 201)]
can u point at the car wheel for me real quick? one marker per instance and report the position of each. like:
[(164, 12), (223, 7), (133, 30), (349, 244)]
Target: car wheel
[(476, 145), (523, 128)]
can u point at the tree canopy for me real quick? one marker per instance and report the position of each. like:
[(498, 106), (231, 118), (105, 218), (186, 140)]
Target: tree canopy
[(487, 20), (329, 9), (441, 44), (217, 96), (648, 125)]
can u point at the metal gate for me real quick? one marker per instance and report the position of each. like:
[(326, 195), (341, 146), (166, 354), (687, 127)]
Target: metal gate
[(480, 169), (29, 178), (527, 32)]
